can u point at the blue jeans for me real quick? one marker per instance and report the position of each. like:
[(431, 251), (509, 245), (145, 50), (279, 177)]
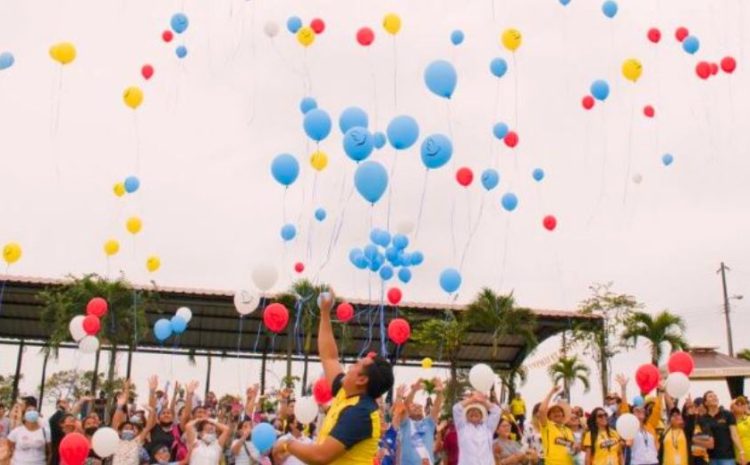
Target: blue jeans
[(722, 462)]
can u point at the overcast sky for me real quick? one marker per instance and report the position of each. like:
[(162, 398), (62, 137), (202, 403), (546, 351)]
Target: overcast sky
[(203, 140)]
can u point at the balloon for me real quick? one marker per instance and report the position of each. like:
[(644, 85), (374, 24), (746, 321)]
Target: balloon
[(511, 139), (649, 111), (464, 176), (285, 169), (318, 25), (12, 252), (647, 378), (498, 67), (353, 117), (178, 323), (365, 36), (380, 237), (600, 89), (244, 302), (74, 448), (97, 307), (703, 69), (426, 363), (549, 222), (91, 325), (134, 225), (344, 312), (264, 277), (404, 275), (450, 280), (319, 160), (179, 23), (400, 241), (162, 329), (131, 184), (288, 232), (681, 33), (317, 124), (386, 273), (440, 77), (490, 179), (358, 143), (167, 36), (305, 410), (105, 442), (632, 69), (481, 377), (392, 23), (185, 313), (628, 426), (654, 35), (305, 36), (263, 437), (691, 44), (181, 51), (667, 159), (293, 24), (276, 317), (271, 29), (322, 392), (564, 2), (609, 8), (500, 130), (588, 102), (399, 331), (509, 201), (6, 60), (681, 362), (307, 104), (537, 174), (728, 65), (119, 189), (457, 37), (403, 132), (511, 39), (378, 140), (394, 296), (64, 53), (320, 214), (371, 180), (637, 178), (677, 385), (153, 263), (88, 344), (76, 328), (299, 267), (133, 97), (147, 71), (714, 69), (436, 151), (371, 251), (638, 401)]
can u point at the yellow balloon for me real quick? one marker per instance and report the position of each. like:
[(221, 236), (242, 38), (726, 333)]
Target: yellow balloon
[(133, 97), (632, 69), (111, 247), (12, 252), (427, 363), (63, 53), (512, 39), (319, 160), (392, 23), (153, 263), (119, 189), (306, 36), (134, 225)]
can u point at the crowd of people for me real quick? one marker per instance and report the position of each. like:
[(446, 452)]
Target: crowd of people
[(359, 428)]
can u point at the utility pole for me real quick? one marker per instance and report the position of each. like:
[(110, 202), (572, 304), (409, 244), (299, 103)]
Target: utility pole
[(723, 270)]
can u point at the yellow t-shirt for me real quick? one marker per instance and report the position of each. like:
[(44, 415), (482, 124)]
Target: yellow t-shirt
[(557, 441), (518, 407), (607, 447), (675, 447), (743, 430)]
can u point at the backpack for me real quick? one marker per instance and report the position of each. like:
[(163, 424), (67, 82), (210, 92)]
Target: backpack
[(179, 449)]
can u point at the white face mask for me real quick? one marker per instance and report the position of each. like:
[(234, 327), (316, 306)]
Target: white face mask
[(209, 438)]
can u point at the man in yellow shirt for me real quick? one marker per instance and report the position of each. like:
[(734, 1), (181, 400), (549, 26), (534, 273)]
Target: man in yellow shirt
[(518, 409)]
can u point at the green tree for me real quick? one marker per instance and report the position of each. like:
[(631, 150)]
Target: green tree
[(658, 329), (568, 370), (76, 384), (499, 314), (512, 379), (744, 354), (6, 390)]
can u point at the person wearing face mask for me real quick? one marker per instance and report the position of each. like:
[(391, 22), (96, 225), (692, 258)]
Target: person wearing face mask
[(243, 449), (206, 439), (476, 428), (29, 442), (130, 450), (167, 431)]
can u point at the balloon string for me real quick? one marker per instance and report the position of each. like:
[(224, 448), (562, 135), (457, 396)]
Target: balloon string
[(390, 188), (2, 287), (137, 144), (298, 311), (383, 350), (604, 167), (471, 234), (492, 118), (395, 75), (336, 233), (515, 103), (630, 148), (239, 347), (57, 103), (505, 251), (421, 205), (374, 87), (453, 227)]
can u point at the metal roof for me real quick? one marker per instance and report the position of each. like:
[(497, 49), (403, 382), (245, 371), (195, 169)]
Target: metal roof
[(710, 364)]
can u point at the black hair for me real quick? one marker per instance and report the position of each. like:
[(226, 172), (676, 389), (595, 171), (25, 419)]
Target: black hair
[(292, 421), (2, 405), (674, 411), (30, 401), (594, 428), (65, 417), (380, 377)]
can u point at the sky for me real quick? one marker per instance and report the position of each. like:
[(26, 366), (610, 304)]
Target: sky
[(203, 140)]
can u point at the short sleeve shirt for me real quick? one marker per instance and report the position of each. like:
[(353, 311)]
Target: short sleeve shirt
[(557, 441), (607, 451), (720, 424)]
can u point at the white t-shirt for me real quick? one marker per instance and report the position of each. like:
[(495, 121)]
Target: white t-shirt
[(29, 446), (206, 454), (292, 460), (242, 458)]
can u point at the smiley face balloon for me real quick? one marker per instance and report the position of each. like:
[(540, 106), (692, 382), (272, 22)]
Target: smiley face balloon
[(12, 252), (632, 69), (319, 160), (436, 151), (511, 39), (305, 36), (153, 263)]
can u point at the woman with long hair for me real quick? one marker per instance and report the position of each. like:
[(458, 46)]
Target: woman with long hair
[(601, 442)]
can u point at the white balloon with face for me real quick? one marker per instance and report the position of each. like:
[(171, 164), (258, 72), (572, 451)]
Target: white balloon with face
[(245, 302)]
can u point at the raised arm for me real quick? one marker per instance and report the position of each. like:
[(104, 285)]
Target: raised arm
[(150, 423), (623, 382), (398, 411), (415, 388), (250, 395), (440, 397), (329, 353), (119, 416), (190, 433), (188, 409), (655, 416), (244, 434), (545, 405), (224, 433)]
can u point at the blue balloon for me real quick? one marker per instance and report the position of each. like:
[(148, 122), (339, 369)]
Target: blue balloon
[(320, 214), (179, 22), (457, 37), (498, 67), (416, 258), (6, 60), (384, 239), (288, 232), (181, 51), (450, 280), (263, 437), (178, 324), (404, 275), (371, 251), (600, 89), (440, 77), (293, 24), (162, 329), (317, 124), (691, 44), (437, 150), (564, 2), (354, 255), (402, 132), (378, 140), (361, 262), (537, 174), (353, 117), (375, 235), (371, 180), (285, 169), (667, 159), (638, 401), (386, 273), (490, 179), (307, 104), (400, 241), (509, 201), (132, 184), (358, 143), (609, 8), (377, 262), (500, 130), (391, 254)]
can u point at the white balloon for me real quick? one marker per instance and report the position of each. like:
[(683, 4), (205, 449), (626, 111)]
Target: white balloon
[(185, 313), (323, 297), (265, 276), (628, 426), (271, 29), (245, 302), (405, 227), (481, 377), (306, 409), (678, 384), (88, 345), (105, 442), (76, 328), (637, 178)]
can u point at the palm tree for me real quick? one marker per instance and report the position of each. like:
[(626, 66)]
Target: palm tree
[(499, 314), (568, 370), (664, 327), (512, 379), (744, 354)]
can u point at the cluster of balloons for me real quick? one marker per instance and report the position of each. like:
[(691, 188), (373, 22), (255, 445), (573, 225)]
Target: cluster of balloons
[(165, 328), (705, 69), (129, 186), (502, 132), (599, 89), (6, 60), (12, 252), (305, 34), (387, 255), (179, 24), (84, 328)]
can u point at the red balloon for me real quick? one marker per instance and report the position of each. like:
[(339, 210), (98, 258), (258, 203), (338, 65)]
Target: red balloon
[(647, 377), (681, 33), (92, 325), (365, 36), (147, 71), (317, 25), (681, 362), (97, 307), (465, 176), (511, 139), (299, 267), (654, 35), (649, 111), (728, 65), (74, 449), (703, 69), (588, 102), (275, 317), (167, 36), (550, 222), (394, 295), (399, 331), (322, 392), (344, 312)]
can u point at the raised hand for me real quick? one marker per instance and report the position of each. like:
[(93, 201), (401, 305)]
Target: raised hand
[(439, 387), (153, 382), (192, 386), (622, 380)]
